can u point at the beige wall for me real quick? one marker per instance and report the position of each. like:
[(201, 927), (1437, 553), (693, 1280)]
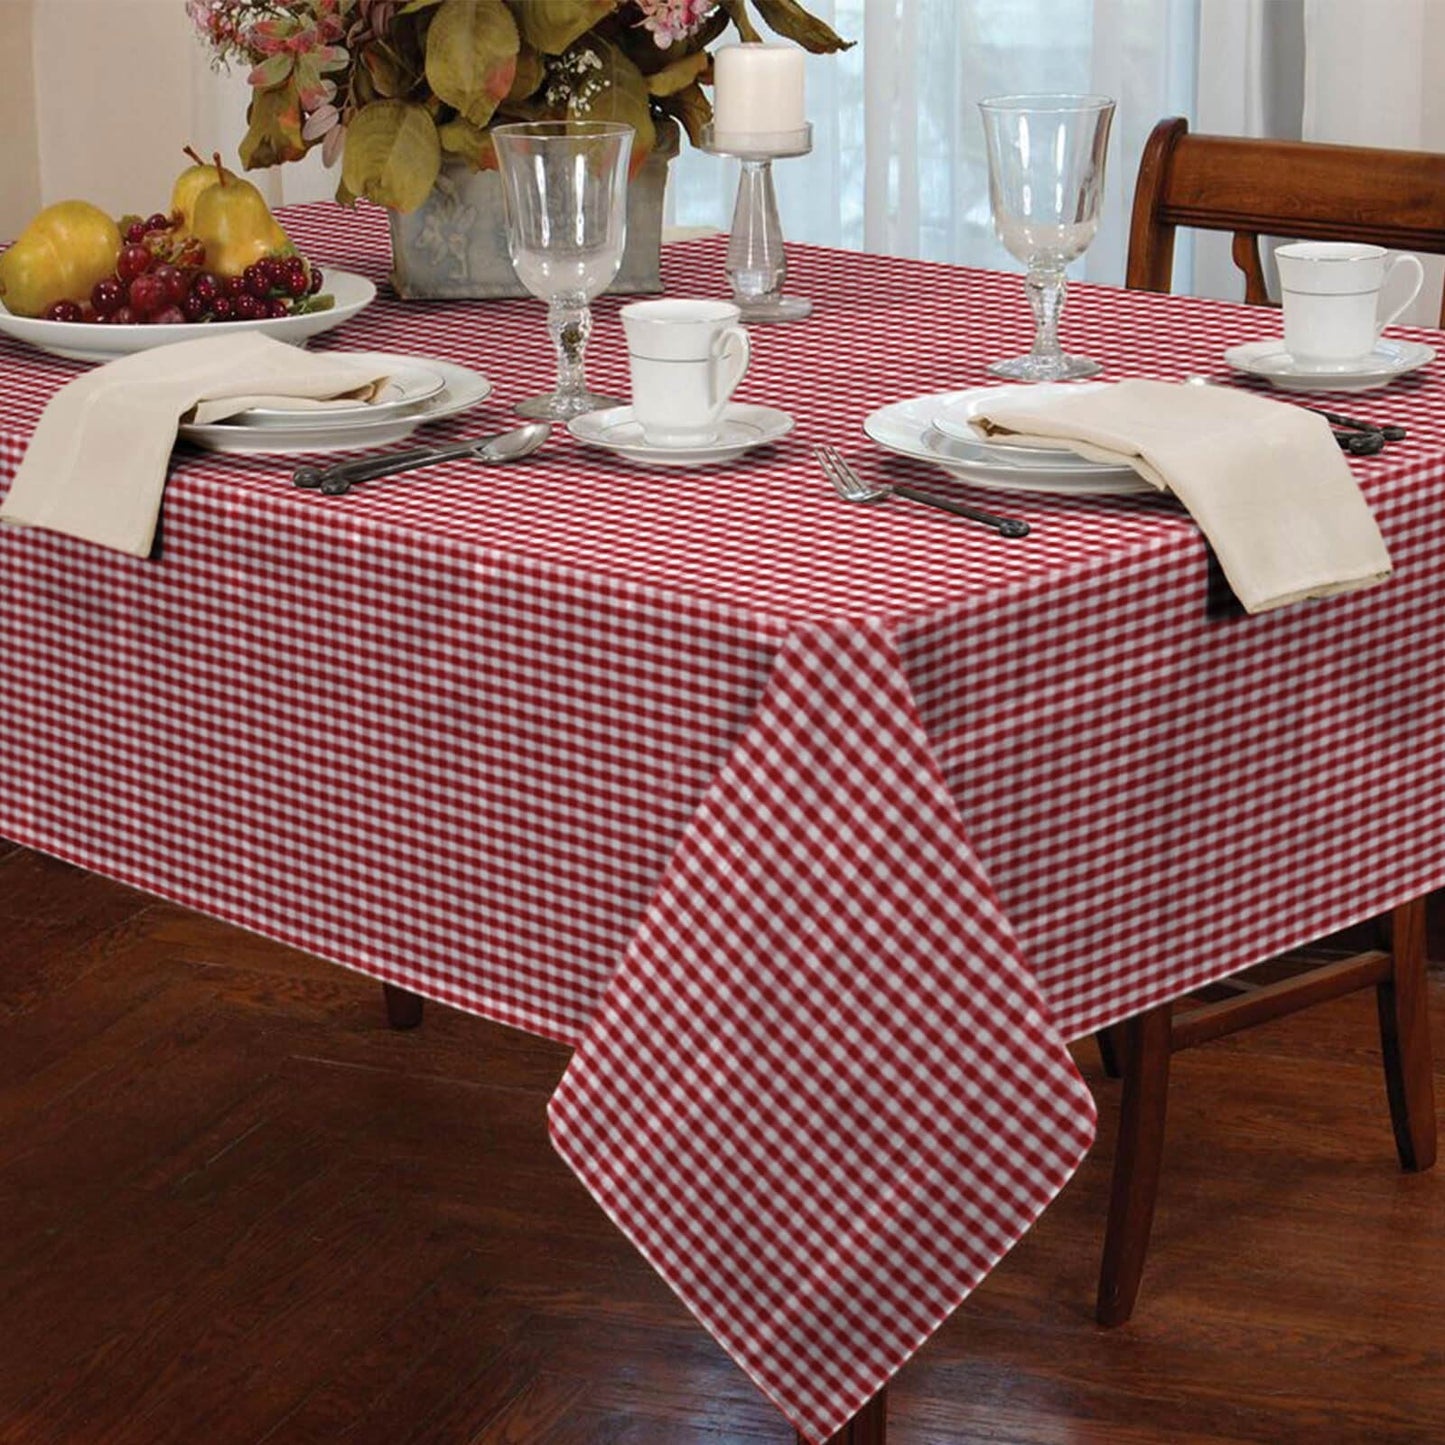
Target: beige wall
[(19, 162), (114, 105), (99, 98)]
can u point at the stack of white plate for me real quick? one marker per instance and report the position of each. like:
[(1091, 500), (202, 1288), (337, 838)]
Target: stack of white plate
[(418, 389), (935, 428)]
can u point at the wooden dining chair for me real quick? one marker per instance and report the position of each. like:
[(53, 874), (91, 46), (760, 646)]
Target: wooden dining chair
[(1292, 190)]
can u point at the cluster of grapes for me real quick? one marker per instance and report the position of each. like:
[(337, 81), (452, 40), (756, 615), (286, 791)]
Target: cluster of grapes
[(160, 280)]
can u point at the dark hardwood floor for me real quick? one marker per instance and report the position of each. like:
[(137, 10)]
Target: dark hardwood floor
[(236, 1208)]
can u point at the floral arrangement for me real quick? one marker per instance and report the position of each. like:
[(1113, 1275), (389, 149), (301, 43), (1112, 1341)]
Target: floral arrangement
[(389, 87)]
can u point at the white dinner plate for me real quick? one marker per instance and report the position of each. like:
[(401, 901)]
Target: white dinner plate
[(409, 384), (743, 428), (954, 422), (906, 427), (92, 341), (461, 390), (1270, 360)]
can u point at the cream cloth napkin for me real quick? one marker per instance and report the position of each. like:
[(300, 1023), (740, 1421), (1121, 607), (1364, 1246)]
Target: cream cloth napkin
[(1265, 480), (96, 466)]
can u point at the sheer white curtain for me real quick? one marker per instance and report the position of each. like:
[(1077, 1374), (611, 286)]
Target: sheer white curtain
[(1350, 72), (898, 162), (1372, 77)]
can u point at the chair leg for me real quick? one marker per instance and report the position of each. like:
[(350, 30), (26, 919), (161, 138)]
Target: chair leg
[(1137, 1156), (868, 1427), (1405, 1040), (1110, 1045), (403, 1007)]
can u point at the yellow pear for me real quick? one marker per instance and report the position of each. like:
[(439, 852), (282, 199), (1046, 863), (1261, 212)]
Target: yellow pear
[(236, 225), (189, 185), (59, 256)]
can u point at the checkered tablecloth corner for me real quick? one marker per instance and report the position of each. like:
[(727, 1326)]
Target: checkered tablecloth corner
[(822, 1094)]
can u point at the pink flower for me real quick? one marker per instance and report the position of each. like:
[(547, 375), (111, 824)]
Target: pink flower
[(673, 20)]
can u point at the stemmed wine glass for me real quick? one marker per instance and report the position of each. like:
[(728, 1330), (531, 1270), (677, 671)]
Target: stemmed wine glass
[(565, 189), (1045, 181)]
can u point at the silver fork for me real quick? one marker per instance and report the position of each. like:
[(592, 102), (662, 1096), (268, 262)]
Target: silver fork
[(852, 488)]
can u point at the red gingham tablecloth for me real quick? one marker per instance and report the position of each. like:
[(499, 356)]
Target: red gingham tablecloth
[(817, 829)]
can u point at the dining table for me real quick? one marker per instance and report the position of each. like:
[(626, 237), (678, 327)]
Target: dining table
[(817, 830)]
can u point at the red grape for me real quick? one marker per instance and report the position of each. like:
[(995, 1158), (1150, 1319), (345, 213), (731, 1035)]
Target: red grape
[(316, 279), (108, 295), (222, 308), (246, 307), (258, 283), (168, 316), (158, 222), (133, 261), (206, 286), (147, 294), (276, 308), (176, 283), (235, 286), (195, 307), (64, 311), (123, 317)]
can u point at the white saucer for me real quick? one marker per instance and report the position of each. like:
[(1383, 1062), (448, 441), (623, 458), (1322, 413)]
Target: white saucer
[(744, 427), (906, 427), (1270, 360), (461, 390)]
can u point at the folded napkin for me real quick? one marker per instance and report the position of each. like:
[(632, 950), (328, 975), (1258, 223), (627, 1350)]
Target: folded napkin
[(1265, 480), (96, 466)]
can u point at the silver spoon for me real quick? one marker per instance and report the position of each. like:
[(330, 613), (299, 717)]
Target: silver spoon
[(509, 446)]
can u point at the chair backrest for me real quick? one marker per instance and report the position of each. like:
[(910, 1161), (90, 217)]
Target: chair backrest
[(1299, 190)]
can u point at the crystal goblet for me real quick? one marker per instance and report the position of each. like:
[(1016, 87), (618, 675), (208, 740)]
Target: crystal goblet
[(1045, 181), (565, 189)]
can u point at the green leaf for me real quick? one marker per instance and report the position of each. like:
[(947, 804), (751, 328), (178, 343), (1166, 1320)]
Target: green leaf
[(738, 12), (390, 79), (272, 71), (529, 76), (552, 25), (274, 128), (623, 97), (472, 142), (692, 107), (393, 154), (680, 74), (789, 18), (471, 56)]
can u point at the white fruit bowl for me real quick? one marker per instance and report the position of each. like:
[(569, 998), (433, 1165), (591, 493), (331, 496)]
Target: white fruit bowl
[(94, 341)]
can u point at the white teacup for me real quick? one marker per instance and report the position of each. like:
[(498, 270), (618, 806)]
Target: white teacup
[(1331, 292), (686, 358)]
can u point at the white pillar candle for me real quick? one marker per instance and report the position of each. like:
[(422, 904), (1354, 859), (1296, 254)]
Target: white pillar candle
[(757, 90)]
